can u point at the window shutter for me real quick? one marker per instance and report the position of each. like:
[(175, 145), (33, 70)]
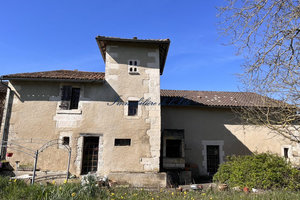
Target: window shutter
[(66, 93), (75, 98)]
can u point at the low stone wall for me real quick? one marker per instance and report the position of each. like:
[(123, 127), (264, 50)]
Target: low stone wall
[(140, 179)]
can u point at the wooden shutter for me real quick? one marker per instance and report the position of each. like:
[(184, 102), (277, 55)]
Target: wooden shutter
[(66, 93), (75, 98)]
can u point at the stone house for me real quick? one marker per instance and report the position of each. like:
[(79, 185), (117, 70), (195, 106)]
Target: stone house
[(120, 123)]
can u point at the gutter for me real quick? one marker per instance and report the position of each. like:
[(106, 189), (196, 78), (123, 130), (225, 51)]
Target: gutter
[(5, 120)]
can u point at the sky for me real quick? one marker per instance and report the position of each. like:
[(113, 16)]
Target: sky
[(48, 35)]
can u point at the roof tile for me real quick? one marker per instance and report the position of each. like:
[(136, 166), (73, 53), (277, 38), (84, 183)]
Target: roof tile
[(169, 97), (59, 74), (214, 99)]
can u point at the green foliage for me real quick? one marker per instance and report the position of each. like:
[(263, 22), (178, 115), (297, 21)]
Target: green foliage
[(261, 171), (16, 189)]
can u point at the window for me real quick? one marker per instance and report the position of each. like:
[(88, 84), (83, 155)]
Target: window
[(213, 155), (66, 141), (132, 108), (69, 98), (173, 148), (213, 158), (122, 142), (286, 152), (132, 66), (90, 155)]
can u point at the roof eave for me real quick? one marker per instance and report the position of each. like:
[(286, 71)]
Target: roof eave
[(112, 39), (53, 80), (165, 58)]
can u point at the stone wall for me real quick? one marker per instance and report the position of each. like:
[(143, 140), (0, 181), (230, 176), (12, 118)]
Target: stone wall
[(36, 117)]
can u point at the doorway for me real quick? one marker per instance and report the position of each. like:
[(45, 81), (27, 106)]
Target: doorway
[(213, 158), (90, 155)]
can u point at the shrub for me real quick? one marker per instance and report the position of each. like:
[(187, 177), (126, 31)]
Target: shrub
[(261, 171)]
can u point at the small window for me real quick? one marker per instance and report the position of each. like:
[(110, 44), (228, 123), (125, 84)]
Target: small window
[(69, 98), (122, 142), (133, 62), (173, 148), (66, 141), (132, 108), (133, 66), (286, 152)]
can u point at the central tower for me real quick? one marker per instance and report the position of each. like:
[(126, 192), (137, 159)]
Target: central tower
[(132, 70)]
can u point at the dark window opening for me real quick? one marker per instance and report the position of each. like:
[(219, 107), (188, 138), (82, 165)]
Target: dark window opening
[(213, 158), (90, 155), (69, 98), (122, 142), (173, 148), (286, 152), (132, 108), (66, 141), (75, 98), (133, 66)]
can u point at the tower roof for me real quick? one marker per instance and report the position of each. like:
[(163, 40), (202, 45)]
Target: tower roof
[(162, 44)]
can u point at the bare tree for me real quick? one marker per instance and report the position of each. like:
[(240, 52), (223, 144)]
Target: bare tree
[(267, 33)]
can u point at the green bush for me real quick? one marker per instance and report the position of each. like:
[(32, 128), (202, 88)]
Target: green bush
[(261, 171)]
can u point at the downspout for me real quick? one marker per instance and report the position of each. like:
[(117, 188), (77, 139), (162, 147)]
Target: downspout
[(5, 120)]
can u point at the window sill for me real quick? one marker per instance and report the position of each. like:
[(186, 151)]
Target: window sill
[(134, 73), (132, 117), (74, 112)]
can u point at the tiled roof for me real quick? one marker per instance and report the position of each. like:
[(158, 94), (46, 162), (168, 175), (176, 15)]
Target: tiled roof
[(3, 88), (134, 39), (214, 99), (162, 44), (169, 97), (59, 75)]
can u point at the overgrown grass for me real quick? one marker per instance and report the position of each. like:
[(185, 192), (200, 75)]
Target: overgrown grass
[(15, 190)]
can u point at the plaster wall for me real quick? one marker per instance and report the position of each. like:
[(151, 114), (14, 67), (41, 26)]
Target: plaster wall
[(212, 126), (36, 117)]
